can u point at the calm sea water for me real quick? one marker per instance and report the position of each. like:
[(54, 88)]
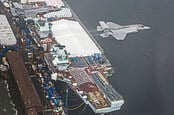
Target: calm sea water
[(144, 62)]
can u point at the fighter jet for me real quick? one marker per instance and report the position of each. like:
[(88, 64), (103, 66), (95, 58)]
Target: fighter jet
[(117, 31)]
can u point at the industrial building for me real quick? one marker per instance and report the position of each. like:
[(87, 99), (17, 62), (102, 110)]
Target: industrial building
[(7, 36)]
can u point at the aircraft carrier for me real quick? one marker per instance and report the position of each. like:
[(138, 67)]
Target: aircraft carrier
[(51, 44)]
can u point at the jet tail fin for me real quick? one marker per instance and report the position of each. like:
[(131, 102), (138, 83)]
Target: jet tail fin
[(113, 25), (103, 25), (99, 28)]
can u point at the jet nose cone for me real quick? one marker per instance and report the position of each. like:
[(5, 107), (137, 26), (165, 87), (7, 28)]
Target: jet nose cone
[(146, 27)]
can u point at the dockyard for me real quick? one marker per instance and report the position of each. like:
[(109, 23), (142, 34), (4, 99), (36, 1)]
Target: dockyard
[(43, 42)]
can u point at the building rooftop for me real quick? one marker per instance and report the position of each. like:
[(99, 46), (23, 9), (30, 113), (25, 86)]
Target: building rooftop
[(73, 36), (55, 3), (6, 34), (62, 13)]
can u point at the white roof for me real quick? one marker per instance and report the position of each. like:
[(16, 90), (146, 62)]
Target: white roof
[(25, 1), (73, 36), (56, 3), (6, 34), (63, 13)]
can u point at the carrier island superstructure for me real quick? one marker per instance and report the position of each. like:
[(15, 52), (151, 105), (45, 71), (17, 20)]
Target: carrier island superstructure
[(69, 51)]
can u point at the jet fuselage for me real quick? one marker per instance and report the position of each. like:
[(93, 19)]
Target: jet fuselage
[(118, 31)]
